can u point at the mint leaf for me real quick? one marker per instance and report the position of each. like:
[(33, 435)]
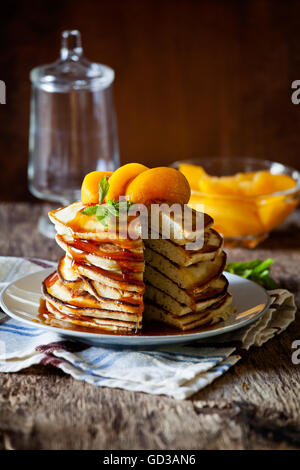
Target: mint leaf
[(263, 266), (112, 209), (104, 220), (256, 270), (101, 211), (90, 210), (103, 189), (102, 214)]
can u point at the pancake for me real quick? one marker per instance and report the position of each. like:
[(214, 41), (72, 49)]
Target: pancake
[(56, 318), (165, 222), (76, 249), (126, 282), (71, 222), (190, 277), (212, 247), (214, 287), (160, 298), (68, 275)]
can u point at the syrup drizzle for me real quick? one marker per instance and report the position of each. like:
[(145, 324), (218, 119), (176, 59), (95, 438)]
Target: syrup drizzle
[(126, 265)]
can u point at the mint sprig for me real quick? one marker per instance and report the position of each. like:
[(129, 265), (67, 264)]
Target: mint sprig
[(256, 270), (103, 189), (104, 212), (90, 210)]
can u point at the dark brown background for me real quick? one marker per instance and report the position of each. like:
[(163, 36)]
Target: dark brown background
[(193, 78)]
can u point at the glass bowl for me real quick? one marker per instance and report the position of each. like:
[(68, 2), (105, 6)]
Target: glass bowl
[(244, 220)]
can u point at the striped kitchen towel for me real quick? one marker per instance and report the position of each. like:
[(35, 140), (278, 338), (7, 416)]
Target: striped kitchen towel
[(178, 371)]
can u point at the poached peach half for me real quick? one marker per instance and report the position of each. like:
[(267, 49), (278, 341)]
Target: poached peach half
[(121, 178), (90, 186), (160, 184)]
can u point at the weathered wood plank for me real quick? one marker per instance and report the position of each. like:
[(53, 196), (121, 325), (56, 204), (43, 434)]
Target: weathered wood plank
[(254, 406)]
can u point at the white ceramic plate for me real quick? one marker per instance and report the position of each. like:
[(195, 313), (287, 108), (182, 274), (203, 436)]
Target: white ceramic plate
[(20, 300)]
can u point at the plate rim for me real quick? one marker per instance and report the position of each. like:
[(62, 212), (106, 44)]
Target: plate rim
[(138, 340)]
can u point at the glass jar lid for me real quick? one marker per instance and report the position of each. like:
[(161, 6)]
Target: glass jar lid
[(72, 71)]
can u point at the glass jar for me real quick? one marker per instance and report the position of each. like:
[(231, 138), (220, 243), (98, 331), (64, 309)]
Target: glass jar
[(72, 123)]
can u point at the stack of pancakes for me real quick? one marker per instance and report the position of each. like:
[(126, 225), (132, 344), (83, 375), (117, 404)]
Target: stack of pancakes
[(100, 281)]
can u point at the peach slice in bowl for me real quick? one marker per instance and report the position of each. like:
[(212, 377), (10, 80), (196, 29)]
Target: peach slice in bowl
[(246, 197)]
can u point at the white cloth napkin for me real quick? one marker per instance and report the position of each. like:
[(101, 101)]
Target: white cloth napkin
[(177, 371)]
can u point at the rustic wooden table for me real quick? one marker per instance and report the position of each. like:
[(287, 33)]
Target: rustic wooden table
[(253, 406)]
